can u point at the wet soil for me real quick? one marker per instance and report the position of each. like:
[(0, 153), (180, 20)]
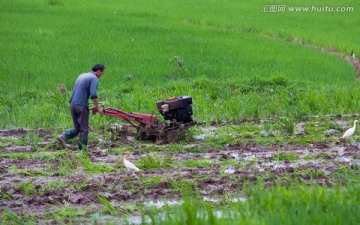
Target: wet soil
[(39, 184)]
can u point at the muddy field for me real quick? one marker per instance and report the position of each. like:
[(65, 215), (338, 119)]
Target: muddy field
[(38, 178)]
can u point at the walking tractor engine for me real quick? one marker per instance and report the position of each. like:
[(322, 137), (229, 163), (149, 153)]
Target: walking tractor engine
[(177, 110)]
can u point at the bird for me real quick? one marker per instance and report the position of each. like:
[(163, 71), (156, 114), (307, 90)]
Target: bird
[(350, 131), (352, 54), (129, 165)]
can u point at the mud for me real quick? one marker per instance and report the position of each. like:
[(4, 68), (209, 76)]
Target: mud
[(36, 185)]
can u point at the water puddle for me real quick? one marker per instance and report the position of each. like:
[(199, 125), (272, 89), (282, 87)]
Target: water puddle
[(229, 171), (18, 149), (250, 157), (160, 204), (215, 200), (201, 136), (207, 132), (344, 159)]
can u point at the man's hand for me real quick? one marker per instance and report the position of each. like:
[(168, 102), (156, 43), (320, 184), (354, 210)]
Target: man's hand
[(100, 111), (97, 107)]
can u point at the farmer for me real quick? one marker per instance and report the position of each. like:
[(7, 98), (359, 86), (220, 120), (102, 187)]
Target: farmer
[(85, 87)]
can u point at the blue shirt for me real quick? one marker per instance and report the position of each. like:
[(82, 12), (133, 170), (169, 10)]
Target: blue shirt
[(85, 87)]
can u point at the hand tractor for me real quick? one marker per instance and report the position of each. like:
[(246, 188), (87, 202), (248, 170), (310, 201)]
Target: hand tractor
[(177, 113)]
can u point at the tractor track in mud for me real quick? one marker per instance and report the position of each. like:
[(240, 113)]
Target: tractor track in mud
[(80, 189)]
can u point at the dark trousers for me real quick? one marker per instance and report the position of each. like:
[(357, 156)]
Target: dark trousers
[(80, 115)]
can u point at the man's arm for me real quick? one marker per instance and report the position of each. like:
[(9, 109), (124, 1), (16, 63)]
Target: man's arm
[(93, 95), (96, 103)]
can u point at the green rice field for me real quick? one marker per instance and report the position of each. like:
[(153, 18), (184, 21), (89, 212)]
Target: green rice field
[(235, 60)]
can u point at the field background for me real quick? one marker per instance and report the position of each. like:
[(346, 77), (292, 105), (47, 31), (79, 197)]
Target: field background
[(235, 60), (272, 78)]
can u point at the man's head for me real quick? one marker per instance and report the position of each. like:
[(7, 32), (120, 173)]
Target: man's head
[(98, 70)]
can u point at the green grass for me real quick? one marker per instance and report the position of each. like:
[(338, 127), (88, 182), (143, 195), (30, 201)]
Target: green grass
[(62, 211), (108, 207), (33, 155), (85, 161), (197, 163), (152, 161), (151, 182), (297, 204), (9, 216), (175, 48), (66, 164), (318, 156), (292, 156), (28, 188)]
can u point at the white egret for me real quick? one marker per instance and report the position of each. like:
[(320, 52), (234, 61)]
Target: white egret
[(129, 165), (352, 54), (350, 131)]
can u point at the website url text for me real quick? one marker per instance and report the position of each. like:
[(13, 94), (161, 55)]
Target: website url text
[(310, 9)]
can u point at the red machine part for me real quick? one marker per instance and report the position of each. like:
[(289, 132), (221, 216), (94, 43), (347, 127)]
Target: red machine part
[(133, 116), (148, 127)]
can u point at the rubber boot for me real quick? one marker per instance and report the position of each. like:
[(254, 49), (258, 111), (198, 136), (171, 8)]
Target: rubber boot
[(67, 135), (83, 141)]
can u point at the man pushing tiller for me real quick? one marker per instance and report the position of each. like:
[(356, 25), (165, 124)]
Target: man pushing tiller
[(85, 87)]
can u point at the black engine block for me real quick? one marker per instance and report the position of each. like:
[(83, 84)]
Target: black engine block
[(177, 109)]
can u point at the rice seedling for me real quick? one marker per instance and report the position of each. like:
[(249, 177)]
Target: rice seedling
[(31, 139), (322, 155), (10, 217), (49, 146), (152, 161), (62, 212), (190, 149), (5, 196), (28, 188), (231, 162), (35, 155), (176, 147), (108, 207), (46, 156), (180, 184), (14, 170), (130, 208), (16, 155), (281, 156), (151, 182), (66, 164), (52, 185), (85, 161), (5, 142), (197, 163), (287, 125), (251, 162), (309, 173)]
